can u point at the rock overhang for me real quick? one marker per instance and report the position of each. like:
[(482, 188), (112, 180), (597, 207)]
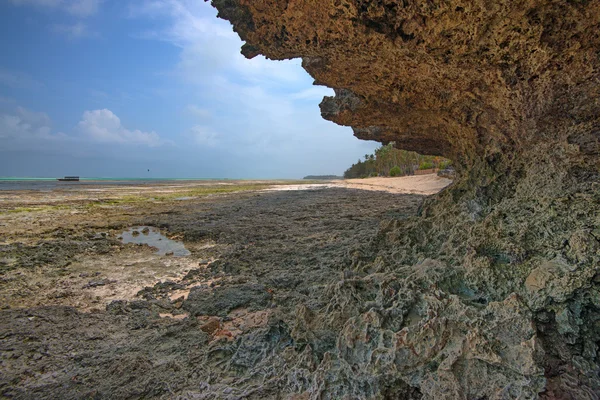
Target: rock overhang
[(463, 79), (510, 90)]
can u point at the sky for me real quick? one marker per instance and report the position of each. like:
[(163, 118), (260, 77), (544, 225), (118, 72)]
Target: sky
[(107, 88)]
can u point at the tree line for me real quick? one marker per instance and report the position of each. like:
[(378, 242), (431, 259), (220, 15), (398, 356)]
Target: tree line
[(390, 161)]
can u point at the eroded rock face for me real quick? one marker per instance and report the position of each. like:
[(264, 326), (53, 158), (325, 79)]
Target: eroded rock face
[(458, 78), (494, 291)]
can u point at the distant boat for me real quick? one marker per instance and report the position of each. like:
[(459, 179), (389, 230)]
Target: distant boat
[(68, 179)]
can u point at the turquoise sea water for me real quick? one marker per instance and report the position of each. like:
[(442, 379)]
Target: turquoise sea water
[(46, 184), (10, 178)]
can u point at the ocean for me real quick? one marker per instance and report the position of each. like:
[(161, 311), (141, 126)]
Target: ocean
[(49, 184)]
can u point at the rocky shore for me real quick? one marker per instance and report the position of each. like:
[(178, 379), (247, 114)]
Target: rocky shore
[(488, 290), (87, 316)]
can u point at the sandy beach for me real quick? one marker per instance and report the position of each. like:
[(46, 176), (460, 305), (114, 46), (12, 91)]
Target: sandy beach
[(416, 184)]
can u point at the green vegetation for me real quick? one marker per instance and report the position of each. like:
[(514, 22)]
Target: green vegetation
[(389, 161), (186, 193), (445, 164), (115, 202), (200, 191), (426, 165), (208, 190), (396, 171), (34, 209)]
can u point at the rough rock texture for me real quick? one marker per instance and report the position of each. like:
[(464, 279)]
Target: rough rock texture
[(494, 291), (275, 255)]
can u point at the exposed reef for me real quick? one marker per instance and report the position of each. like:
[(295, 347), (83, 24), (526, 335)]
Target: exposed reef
[(493, 292)]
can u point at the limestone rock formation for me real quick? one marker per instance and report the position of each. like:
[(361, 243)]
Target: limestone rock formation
[(494, 291)]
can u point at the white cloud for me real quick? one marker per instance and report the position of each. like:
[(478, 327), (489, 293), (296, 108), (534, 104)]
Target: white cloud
[(204, 136), (105, 127), (263, 110), (25, 124), (315, 93), (77, 30), (191, 21), (209, 46), (78, 8), (29, 130), (259, 95)]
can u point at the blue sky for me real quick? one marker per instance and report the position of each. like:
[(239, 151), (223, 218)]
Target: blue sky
[(114, 88)]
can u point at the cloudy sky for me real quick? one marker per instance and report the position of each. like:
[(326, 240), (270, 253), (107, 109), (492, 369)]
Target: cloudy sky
[(108, 88)]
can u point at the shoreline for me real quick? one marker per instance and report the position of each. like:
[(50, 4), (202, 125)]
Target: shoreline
[(420, 184)]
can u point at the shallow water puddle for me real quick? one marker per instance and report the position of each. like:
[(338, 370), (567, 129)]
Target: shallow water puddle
[(152, 237)]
